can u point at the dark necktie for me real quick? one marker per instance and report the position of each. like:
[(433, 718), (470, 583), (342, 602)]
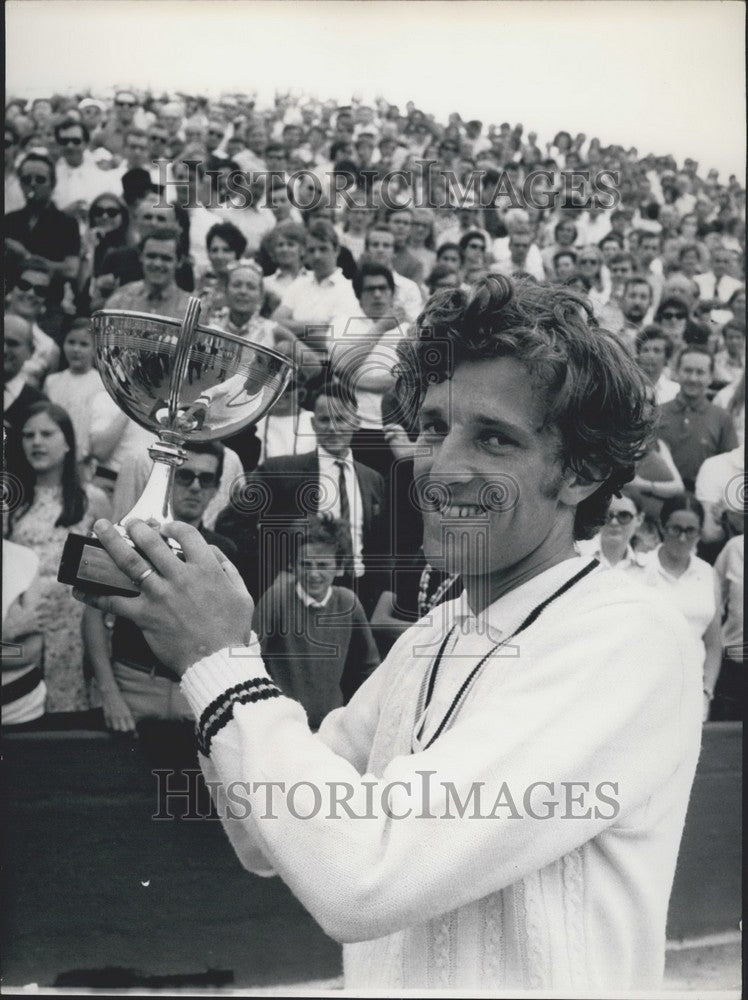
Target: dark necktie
[(716, 288), (345, 515)]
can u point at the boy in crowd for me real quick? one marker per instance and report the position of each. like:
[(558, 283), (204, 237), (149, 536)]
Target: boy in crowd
[(315, 637)]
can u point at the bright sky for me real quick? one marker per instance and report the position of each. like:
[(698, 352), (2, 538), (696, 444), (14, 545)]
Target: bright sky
[(666, 76)]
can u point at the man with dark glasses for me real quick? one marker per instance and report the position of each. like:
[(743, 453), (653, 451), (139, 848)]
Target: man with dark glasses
[(134, 684), (40, 228), (79, 178), (28, 299)]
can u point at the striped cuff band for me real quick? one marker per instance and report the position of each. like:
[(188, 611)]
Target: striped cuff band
[(220, 711)]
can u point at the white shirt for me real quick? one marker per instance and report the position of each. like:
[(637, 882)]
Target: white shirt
[(502, 256), (254, 223), (725, 286), (12, 390), (312, 602), (45, 359), (592, 548), (83, 183), (408, 296), (285, 434), (729, 571), (603, 687), (133, 438), (693, 592), (317, 303), (329, 478), (202, 220), (721, 478), (380, 360), (665, 389), (75, 393)]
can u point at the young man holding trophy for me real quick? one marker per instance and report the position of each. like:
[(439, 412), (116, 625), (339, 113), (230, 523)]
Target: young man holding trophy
[(500, 804)]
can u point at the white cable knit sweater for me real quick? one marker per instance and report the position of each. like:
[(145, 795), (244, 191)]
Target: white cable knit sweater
[(603, 688)]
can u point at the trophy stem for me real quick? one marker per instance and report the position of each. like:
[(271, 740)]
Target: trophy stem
[(154, 505)]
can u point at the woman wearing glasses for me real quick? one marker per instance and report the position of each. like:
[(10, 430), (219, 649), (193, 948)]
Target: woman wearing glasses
[(612, 546), (674, 568)]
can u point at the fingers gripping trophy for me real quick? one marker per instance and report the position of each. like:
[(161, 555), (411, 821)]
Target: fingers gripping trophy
[(185, 382)]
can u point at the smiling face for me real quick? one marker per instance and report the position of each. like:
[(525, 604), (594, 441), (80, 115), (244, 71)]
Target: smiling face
[(159, 261), (315, 568), (694, 375), (495, 472), (244, 291), (44, 444), (221, 255)]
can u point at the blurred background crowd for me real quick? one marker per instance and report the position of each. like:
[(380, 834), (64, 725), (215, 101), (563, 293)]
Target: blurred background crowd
[(321, 230)]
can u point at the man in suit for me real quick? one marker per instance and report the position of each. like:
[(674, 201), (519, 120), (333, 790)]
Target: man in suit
[(18, 396), (327, 482)]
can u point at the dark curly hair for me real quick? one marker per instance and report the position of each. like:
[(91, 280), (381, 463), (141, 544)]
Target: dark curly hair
[(593, 391)]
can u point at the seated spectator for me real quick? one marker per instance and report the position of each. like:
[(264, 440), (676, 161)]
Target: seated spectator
[(421, 238), (443, 276), (716, 483), (79, 177), (286, 246), (404, 262), (693, 428), (674, 569), (612, 545), (564, 265), (158, 291), (243, 295), (315, 638), (108, 229), (653, 351), (18, 396), (517, 251), (28, 299), (23, 687), (55, 503), (40, 228), (717, 284), (728, 700), (313, 300), (732, 400), (225, 246), (380, 248), (287, 429), (473, 249), (564, 238), (75, 388), (672, 317), (590, 264), (132, 682), (363, 356), (448, 255), (729, 361)]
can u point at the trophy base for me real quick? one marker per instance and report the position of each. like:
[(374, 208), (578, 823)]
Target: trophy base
[(85, 564)]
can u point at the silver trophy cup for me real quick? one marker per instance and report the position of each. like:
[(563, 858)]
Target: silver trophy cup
[(184, 382)]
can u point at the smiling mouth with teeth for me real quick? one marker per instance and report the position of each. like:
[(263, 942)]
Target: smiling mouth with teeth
[(463, 511)]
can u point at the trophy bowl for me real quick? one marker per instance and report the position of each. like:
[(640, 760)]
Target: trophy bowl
[(184, 382)]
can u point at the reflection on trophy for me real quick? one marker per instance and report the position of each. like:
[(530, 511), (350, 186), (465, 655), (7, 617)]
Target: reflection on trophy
[(185, 382)]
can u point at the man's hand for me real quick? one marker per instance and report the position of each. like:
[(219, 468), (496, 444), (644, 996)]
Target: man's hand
[(186, 610)]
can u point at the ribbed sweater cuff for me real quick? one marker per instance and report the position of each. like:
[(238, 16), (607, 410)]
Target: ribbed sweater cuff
[(215, 684)]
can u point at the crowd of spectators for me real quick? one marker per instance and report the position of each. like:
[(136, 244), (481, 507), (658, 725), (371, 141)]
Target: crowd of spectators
[(321, 230)]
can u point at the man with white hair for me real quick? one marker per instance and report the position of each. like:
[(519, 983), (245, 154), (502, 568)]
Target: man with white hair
[(517, 220)]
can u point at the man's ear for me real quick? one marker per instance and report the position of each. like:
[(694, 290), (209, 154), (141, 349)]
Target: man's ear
[(576, 488)]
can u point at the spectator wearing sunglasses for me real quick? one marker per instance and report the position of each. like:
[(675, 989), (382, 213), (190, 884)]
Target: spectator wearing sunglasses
[(40, 228), (79, 178), (28, 299), (612, 545), (121, 120), (674, 569), (134, 685)]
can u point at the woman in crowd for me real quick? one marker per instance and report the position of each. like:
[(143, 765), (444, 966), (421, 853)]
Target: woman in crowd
[(108, 229), (55, 503), (225, 244), (421, 239), (657, 478), (287, 246), (443, 276), (675, 569), (613, 545), (448, 255), (244, 289)]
